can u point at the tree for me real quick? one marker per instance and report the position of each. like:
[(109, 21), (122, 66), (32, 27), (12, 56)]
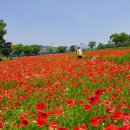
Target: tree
[(92, 44), (18, 49), (36, 48), (6, 51), (72, 48), (129, 38), (2, 33), (110, 44), (27, 50), (61, 49), (119, 39), (101, 46), (115, 38), (49, 50)]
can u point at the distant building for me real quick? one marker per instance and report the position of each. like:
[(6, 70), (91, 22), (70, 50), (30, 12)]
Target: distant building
[(9, 45)]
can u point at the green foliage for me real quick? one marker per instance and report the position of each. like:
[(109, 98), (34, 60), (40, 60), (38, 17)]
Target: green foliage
[(49, 50), (123, 59), (109, 45), (6, 51), (72, 48), (92, 44), (18, 49), (2, 32), (27, 50), (119, 39), (3, 58), (100, 46), (61, 49), (36, 48)]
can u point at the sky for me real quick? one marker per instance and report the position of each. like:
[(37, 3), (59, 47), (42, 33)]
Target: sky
[(64, 22)]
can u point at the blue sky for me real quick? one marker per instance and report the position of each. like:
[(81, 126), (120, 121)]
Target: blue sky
[(64, 22)]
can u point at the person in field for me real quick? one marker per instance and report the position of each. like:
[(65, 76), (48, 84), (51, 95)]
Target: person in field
[(79, 53)]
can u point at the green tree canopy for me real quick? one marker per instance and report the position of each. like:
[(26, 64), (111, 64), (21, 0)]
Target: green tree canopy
[(27, 50), (92, 44), (101, 46), (61, 49), (119, 39), (18, 49), (36, 48), (6, 51), (49, 50), (2, 31), (72, 48)]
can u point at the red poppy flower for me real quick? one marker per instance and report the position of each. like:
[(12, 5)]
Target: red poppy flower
[(112, 127), (41, 106), (105, 117), (99, 119), (111, 110), (124, 99), (98, 92), (42, 115), (17, 104), (82, 127), (126, 125), (71, 102), (88, 107), (1, 124), (63, 91), (23, 97), (126, 116), (51, 112), (24, 123), (117, 115), (120, 89), (121, 106), (63, 128), (59, 111), (81, 102), (115, 95), (22, 116), (41, 122), (75, 84), (76, 128), (1, 97), (86, 91), (93, 100), (107, 103), (94, 121)]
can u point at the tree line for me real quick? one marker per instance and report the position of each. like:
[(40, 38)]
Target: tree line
[(115, 40)]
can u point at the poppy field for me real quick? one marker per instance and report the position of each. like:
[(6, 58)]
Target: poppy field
[(60, 92)]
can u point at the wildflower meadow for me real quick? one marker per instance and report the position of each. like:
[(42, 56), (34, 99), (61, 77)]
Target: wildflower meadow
[(60, 92)]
